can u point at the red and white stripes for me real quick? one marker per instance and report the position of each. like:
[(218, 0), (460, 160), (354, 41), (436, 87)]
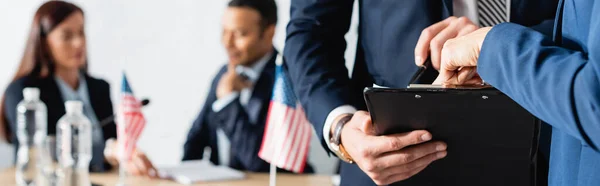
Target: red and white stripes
[(130, 123), (287, 137)]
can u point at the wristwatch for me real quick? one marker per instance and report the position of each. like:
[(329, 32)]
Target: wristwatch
[(336, 140)]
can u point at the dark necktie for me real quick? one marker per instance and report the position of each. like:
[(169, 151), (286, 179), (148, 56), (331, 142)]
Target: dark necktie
[(492, 12)]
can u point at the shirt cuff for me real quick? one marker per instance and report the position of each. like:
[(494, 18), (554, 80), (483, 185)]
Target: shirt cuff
[(224, 101), (344, 109)]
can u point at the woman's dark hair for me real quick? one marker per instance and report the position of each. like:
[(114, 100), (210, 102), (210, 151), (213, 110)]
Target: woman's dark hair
[(37, 61)]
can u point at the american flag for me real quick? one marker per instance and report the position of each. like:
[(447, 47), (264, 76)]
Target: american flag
[(287, 132), (130, 120)]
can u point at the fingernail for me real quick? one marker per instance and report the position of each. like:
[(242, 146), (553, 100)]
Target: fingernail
[(426, 137), (440, 147), (418, 60), (442, 154)]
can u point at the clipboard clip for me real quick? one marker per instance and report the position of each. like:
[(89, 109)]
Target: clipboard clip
[(464, 87)]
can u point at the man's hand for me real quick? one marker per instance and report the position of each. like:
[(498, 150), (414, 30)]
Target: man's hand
[(139, 165), (459, 59), (231, 82), (432, 38), (390, 158)]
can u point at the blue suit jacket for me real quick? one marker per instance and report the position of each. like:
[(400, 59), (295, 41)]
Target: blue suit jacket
[(387, 35), (243, 126), (558, 80)]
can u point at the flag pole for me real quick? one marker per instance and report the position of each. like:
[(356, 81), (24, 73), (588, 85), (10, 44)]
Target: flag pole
[(121, 157), (121, 150), (122, 173), (273, 175), (273, 167), (273, 164)]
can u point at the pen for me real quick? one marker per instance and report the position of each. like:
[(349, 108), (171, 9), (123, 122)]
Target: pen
[(420, 71)]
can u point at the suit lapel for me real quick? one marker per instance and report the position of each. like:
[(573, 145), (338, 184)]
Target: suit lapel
[(54, 101), (93, 95), (448, 8), (261, 95)]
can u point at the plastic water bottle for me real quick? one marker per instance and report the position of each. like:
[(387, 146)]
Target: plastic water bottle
[(74, 146), (31, 132)]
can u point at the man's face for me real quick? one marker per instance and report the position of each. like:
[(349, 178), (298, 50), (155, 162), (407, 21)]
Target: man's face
[(243, 38)]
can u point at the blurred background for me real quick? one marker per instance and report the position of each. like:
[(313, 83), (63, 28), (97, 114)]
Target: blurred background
[(170, 50)]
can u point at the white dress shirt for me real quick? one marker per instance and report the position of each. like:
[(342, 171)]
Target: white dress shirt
[(467, 8), (253, 72)]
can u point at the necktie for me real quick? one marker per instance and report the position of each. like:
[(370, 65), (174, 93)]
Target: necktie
[(492, 12)]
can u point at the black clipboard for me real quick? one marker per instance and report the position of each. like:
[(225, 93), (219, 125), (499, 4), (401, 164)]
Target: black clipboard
[(491, 139)]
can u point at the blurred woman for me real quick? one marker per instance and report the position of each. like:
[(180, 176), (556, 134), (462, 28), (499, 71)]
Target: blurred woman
[(55, 61)]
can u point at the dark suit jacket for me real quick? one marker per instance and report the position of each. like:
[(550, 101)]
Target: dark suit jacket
[(243, 127), (387, 34), (558, 80), (99, 93)]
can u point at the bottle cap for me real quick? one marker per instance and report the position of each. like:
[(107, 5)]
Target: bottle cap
[(31, 94), (73, 106)]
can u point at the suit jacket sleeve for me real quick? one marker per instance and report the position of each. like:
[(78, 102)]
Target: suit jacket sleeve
[(200, 133), (560, 86), (12, 97), (197, 138), (314, 54)]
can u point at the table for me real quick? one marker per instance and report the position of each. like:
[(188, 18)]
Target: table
[(7, 178)]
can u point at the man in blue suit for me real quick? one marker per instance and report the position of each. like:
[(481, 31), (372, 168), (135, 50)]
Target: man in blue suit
[(233, 118), (555, 78), (388, 33), (232, 121)]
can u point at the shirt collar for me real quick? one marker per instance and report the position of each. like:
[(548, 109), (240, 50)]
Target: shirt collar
[(68, 92), (256, 69)]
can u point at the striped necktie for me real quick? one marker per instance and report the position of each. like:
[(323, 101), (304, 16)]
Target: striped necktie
[(492, 12)]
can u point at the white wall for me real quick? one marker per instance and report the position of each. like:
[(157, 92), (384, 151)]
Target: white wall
[(170, 50)]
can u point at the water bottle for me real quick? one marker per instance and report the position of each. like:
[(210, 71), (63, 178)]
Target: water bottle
[(31, 133), (74, 146)]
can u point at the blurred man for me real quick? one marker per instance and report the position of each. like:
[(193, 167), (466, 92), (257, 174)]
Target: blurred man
[(231, 124), (233, 118), (388, 34), (555, 78)]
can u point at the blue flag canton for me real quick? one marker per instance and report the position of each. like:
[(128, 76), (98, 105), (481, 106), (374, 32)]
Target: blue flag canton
[(283, 91), (125, 88)]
